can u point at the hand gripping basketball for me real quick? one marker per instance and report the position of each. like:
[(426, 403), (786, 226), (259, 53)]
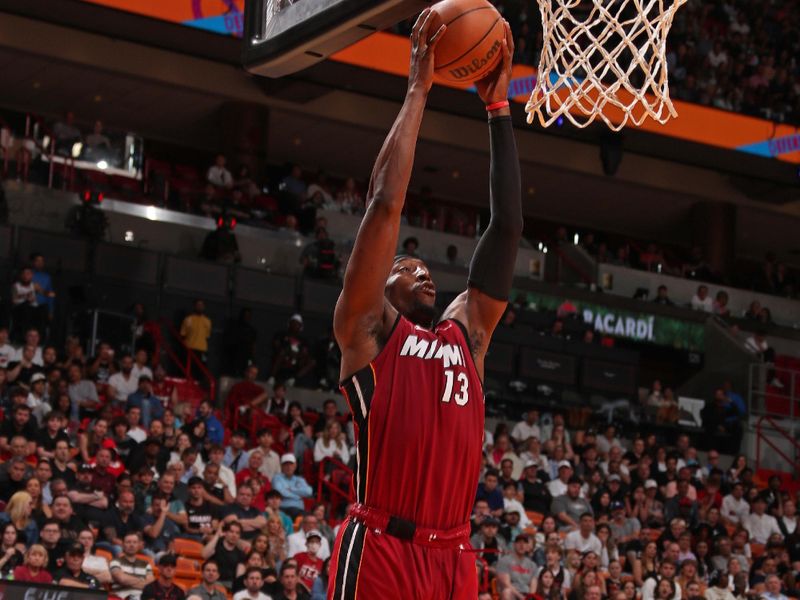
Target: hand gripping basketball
[(423, 45), (494, 87)]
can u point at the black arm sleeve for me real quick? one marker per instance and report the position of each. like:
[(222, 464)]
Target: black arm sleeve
[(492, 267)]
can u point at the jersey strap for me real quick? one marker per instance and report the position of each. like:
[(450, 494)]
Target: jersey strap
[(358, 390)]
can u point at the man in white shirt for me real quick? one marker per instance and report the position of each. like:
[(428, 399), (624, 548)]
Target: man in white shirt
[(758, 524), (226, 475), (605, 442), (32, 338), (558, 487), (124, 383), (297, 541), (7, 352), (583, 539), (218, 174), (701, 300), (272, 460), (527, 428), (140, 366), (734, 507)]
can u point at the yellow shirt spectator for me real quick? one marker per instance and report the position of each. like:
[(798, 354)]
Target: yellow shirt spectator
[(196, 329)]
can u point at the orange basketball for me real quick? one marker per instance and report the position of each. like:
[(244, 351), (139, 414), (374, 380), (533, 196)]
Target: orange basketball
[(472, 44)]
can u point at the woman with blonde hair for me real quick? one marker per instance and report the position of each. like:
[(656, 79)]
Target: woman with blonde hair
[(278, 544), (18, 512), (332, 443), (33, 570)]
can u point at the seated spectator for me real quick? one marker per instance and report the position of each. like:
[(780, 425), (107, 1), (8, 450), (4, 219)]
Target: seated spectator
[(759, 525), (72, 574), (570, 507), (721, 307), (161, 525), (18, 512), (332, 443), (82, 394), (319, 258), (293, 487), (130, 573), (225, 548), (583, 538), (662, 296), (487, 539), (66, 134), (20, 425), (120, 520), (516, 572), (253, 581), (10, 555), (527, 428), (290, 587), (33, 569), (164, 587), (309, 564), (235, 455), (220, 244), (218, 175), (298, 541), (348, 199), (251, 475), (208, 589), (97, 143), (490, 491), (123, 383), (244, 513), (271, 463), (701, 300)]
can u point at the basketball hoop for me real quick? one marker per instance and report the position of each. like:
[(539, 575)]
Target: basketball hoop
[(603, 59)]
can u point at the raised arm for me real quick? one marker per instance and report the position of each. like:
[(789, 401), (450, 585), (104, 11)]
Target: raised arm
[(362, 316), (491, 271)]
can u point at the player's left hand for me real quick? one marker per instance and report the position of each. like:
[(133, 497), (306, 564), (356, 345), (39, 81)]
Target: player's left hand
[(494, 87)]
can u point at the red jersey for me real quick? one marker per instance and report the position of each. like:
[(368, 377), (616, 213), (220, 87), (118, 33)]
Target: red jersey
[(419, 414), (308, 568)]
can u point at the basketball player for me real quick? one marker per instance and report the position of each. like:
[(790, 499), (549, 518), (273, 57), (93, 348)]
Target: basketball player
[(414, 383)]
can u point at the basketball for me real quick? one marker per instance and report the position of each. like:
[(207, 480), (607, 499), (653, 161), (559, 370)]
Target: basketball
[(473, 42)]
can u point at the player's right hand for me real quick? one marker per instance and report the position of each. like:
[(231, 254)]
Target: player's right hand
[(423, 44)]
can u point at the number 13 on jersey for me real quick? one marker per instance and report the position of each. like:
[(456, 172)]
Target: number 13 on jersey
[(461, 396)]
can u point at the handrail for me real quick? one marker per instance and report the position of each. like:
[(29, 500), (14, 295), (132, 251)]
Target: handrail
[(322, 482), (191, 358), (780, 430)]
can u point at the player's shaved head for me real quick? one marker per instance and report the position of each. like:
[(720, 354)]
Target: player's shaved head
[(411, 291)]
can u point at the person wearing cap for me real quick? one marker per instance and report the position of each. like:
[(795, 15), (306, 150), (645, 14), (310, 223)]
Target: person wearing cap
[(758, 524), (297, 541), (72, 573), (292, 359), (309, 564), (144, 399), (615, 489), (583, 539), (649, 509), (293, 487), (164, 587), (624, 530), (535, 494), (516, 573), (569, 507), (487, 539), (558, 486), (37, 399)]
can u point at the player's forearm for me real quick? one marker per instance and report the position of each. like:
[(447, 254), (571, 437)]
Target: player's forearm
[(392, 171), (492, 267)]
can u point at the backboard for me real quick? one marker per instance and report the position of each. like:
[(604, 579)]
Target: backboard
[(285, 36)]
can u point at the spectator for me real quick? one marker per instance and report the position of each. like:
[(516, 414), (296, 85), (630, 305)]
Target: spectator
[(225, 548), (66, 134), (569, 508), (516, 572), (583, 538), (294, 185), (293, 488), (759, 525), (490, 491), (208, 589), (291, 359), (662, 296), (7, 351), (121, 520), (249, 518), (72, 574), (487, 539), (410, 246), (527, 428), (10, 556), (214, 430), (43, 285), (196, 330), (773, 585), (220, 244), (25, 309), (202, 516), (298, 541), (97, 145), (721, 304), (164, 588), (348, 199), (309, 565), (148, 403), (33, 569), (253, 581), (701, 300), (218, 175), (290, 586), (319, 258), (123, 383), (130, 573), (332, 444)]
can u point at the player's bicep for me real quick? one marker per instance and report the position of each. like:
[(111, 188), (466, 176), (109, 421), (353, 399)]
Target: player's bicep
[(361, 304)]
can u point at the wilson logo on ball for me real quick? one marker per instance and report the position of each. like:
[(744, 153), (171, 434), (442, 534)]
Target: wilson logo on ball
[(477, 64)]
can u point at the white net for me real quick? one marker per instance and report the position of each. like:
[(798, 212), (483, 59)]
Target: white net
[(603, 59)]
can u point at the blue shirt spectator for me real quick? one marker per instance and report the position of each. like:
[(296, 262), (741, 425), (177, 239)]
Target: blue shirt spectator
[(215, 432), (489, 490), (44, 284), (144, 400), (293, 488)]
